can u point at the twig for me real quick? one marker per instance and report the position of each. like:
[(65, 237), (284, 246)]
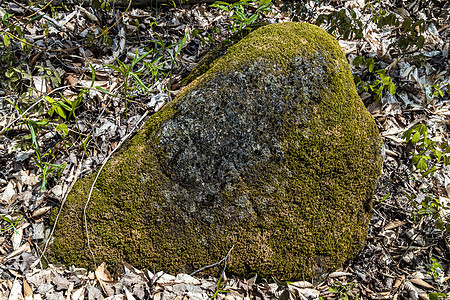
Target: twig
[(98, 174), (215, 264)]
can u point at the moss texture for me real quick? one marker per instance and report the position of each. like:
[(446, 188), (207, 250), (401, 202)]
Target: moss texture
[(271, 150)]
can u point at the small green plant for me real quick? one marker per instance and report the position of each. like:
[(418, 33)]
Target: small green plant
[(236, 11), (379, 85), (437, 296), (427, 153), (49, 75), (12, 223), (431, 207), (131, 77), (219, 286), (409, 34), (173, 57), (46, 167), (435, 269), (439, 90), (41, 160), (344, 291)]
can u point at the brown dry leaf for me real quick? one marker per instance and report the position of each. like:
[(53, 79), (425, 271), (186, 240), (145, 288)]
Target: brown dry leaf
[(398, 281), (40, 211), (15, 273), (69, 290), (72, 79), (339, 274), (104, 278), (394, 224), (16, 290), (24, 248), (420, 282), (27, 291), (102, 273), (423, 296), (8, 193)]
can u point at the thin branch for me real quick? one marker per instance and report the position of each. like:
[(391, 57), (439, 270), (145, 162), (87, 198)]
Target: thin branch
[(98, 174), (215, 264)]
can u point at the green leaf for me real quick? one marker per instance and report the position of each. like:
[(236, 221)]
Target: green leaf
[(252, 19), (33, 134), (115, 68), (333, 289), (431, 172), (6, 40), (222, 7), (416, 137), (60, 112), (10, 73), (436, 296), (62, 129), (51, 111), (6, 219), (385, 197), (50, 99), (141, 84), (406, 24), (125, 69), (422, 164), (392, 88), (181, 45), (371, 64), (357, 61), (420, 42), (104, 91), (422, 129), (93, 74)]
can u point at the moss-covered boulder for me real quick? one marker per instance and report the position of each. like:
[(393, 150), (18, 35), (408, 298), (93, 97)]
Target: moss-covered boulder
[(271, 150)]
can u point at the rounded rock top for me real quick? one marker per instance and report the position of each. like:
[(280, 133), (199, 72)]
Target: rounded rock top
[(271, 151)]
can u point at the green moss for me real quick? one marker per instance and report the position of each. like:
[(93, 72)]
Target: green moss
[(292, 218)]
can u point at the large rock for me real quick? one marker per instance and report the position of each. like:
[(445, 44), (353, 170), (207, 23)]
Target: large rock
[(271, 150)]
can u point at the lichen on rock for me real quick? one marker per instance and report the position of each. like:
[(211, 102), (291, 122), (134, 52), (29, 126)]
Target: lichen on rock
[(270, 151)]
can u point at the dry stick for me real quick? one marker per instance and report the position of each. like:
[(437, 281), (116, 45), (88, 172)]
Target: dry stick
[(98, 174), (215, 264)]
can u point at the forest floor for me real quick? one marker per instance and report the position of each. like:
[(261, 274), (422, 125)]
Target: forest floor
[(63, 111)]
